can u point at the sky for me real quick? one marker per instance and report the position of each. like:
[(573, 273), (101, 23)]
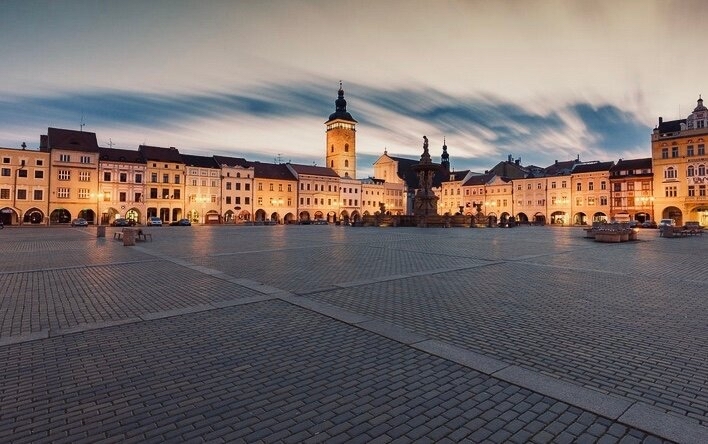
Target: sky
[(536, 80)]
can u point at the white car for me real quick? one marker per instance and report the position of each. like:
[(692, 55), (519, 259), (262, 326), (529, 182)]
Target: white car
[(154, 222)]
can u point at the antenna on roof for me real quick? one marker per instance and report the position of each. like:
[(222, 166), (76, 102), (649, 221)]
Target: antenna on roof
[(82, 124), (110, 143), (278, 159)]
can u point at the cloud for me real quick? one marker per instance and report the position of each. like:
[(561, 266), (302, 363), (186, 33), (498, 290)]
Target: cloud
[(288, 119)]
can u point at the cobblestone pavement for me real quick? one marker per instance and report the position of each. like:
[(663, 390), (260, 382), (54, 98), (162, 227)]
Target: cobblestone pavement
[(334, 334)]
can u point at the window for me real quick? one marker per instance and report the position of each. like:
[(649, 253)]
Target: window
[(138, 197), (237, 200), (563, 184), (176, 194), (238, 186), (591, 186), (153, 177), (247, 187), (64, 158), (153, 193), (674, 151), (228, 186), (670, 191), (630, 186), (664, 153), (85, 159), (6, 172), (247, 200), (213, 198), (138, 178), (84, 193), (213, 184), (194, 182), (603, 200), (702, 190), (290, 202), (165, 193), (289, 187), (701, 150), (690, 172), (346, 147), (553, 185), (228, 200), (689, 150), (40, 162), (579, 201), (701, 170), (260, 201), (260, 186), (603, 185), (62, 193), (271, 187), (22, 173), (38, 195), (670, 173), (106, 176), (5, 160), (578, 187), (177, 179), (84, 176), (64, 175), (591, 201), (691, 191), (21, 194), (165, 178), (617, 186), (346, 163), (122, 197), (123, 177), (280, 187), (4, 193)]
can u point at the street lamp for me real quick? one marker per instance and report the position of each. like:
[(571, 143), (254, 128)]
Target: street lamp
[(203, 200)]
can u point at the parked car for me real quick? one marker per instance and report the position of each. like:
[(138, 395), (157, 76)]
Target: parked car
[(181, 223), (649, 224), (79, 222), (667, 223), (121, 222), (154, 222)]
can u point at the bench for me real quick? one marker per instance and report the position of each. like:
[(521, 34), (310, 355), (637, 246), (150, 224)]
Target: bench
[(118, 235), (144, 236)]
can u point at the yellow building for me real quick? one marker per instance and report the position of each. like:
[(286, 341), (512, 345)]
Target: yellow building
[(679, 164), (24, 186), (202, 189), (590, 186), (73, 179), (318, 194), (275, 194), (165, 182), (452, 197)]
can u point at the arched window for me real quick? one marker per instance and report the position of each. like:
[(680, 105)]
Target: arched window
[(346, 147), (670, 173), (690, 172), (701, 170), (238, 174), (346, 164), (331, 149), (331, 163)]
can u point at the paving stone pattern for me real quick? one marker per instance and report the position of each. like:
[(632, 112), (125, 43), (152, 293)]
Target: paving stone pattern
[(194, 336), (267, 372)]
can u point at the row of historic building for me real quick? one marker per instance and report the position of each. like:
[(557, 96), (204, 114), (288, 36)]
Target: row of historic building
[(72, 176)]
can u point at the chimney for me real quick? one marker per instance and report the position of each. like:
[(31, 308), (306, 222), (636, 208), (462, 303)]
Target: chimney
[(661, 120)]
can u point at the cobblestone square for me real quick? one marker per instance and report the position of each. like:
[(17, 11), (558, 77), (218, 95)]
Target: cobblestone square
[(342, 334)]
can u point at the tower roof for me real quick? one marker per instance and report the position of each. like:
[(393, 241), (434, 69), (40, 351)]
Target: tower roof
[(341, 108)]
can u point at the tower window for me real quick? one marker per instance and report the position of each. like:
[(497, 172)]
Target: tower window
[(331, 163), (331, 149), (346, 164), (346, 147)]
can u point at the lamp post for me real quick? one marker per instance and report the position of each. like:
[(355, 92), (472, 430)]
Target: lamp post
[(203, 200)]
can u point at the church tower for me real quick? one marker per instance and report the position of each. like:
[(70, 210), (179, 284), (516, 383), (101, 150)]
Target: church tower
[(445, 158), (341, 139)]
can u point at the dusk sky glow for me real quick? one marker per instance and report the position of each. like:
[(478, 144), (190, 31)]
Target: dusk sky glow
[(539, 80)]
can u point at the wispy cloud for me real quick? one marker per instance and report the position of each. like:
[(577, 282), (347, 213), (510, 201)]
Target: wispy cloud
[(260, 122)]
